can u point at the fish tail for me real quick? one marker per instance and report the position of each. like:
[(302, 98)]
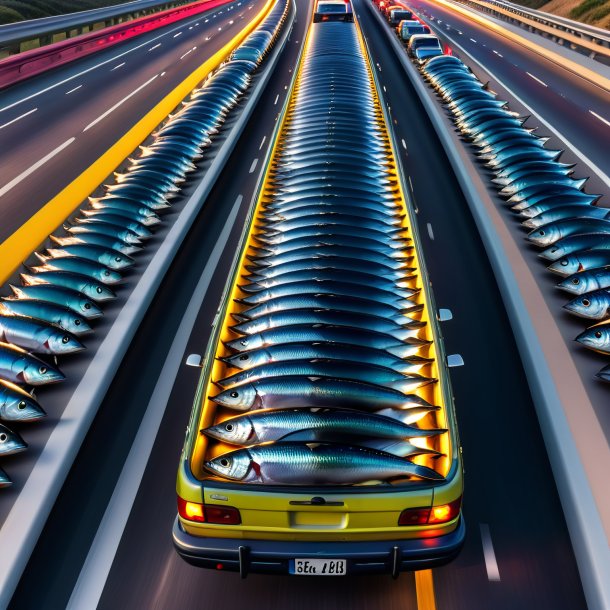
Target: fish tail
[(399, 448), (427, 473)]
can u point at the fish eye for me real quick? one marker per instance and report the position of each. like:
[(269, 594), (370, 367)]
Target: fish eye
[(224, 462), (99, 290), (229, 427), (76, 322), (586, 302), (553, 250), (106, 273), (3, 437), (42, 370), (564, 262), (234, 394), (575, 281), (117, 259), (541, 233), (244, 342), (22, 405), (242, 358), (65, 340), (87, 305), (598, 334)]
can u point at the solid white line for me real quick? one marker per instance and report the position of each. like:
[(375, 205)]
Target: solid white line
[(155, 47), (430, 232), (277, 97), (537, 79), (95, 570), (15, 181), (253, 166), (601, 118), (103, 116), (73, 90), (262, 142), (493, 572), (117, 67), (21, 116)]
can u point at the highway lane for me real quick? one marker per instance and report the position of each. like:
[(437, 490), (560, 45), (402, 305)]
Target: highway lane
[(510, 495), (509, 484), (578, 109), (97, 106)]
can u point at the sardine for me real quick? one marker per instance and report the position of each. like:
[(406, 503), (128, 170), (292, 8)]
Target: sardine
[(125, 228), (564, 212), (314, 464), (74, 281), (74, 264), (333, 317), (110, 258), (581, 261), (18, 405), (94, 239), (46, 312), (329, 368), (66, 297), (308, 333), (294, 351), (303, 391), (596, 338), (37, 337), (153, 205), (19, 366), (126, 207), (550, 233), (576, 243), (5, 480), (604, 374), (592, 305), (586, 281), (10, 442)]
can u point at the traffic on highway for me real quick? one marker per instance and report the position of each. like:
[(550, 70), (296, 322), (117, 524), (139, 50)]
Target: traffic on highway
[(305, 302)]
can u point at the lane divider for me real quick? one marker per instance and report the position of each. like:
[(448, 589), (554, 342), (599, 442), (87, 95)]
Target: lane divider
[(15, 249)]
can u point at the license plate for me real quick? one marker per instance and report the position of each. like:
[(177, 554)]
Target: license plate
[(320, 567)]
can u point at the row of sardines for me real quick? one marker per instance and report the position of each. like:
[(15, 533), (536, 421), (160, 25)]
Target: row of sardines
[(566, 222), (323, 374), (58, 300)]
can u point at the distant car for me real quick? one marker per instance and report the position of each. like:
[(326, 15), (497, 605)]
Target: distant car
[(397, 15), (424, 46), (333, 10), (406, 29), (388, 8)]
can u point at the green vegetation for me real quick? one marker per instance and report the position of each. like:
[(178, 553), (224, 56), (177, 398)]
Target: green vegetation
[(585, 7), (18, 10)]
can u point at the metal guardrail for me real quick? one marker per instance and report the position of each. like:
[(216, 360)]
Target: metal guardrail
[(594, 42), (24, 35)]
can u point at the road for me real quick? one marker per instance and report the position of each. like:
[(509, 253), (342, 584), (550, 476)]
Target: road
[(510, 500), (576, 108), (56, 125)]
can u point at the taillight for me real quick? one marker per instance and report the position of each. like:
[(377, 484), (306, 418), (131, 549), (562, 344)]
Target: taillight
[(431, 515), (210, 513)]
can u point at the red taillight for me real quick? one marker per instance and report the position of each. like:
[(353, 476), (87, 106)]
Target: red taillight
[(211, 513), (431, 515)]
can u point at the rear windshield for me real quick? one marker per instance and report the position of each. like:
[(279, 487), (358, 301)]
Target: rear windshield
[(331, 8), (426, 43)]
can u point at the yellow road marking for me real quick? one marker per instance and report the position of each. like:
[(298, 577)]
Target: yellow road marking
[(15, 249), (424, 588)]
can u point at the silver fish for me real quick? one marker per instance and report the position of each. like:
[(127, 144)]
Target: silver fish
[(564, 212), (321, 425), (544, 202), (581, 261), (586, 281), (604, 374), (46, 312), (19, 366), (78, 265), (5, 480), (304, 391), (66, 297), (314, 464), (329, 368), (17, 405), (126, 228), (94, 239), (110, 258), (37, 337), (152, 205), (336, 351), (96, 225), (10, 442), (596, 338), (576, 243), (81, 283), (592, 305), (307, 333), (550, 233)]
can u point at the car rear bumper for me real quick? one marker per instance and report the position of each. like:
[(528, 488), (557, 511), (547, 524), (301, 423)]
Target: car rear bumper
[(276, 557)]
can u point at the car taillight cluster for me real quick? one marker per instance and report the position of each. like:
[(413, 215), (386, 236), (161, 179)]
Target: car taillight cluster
[(431, 515), (208, 513)]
